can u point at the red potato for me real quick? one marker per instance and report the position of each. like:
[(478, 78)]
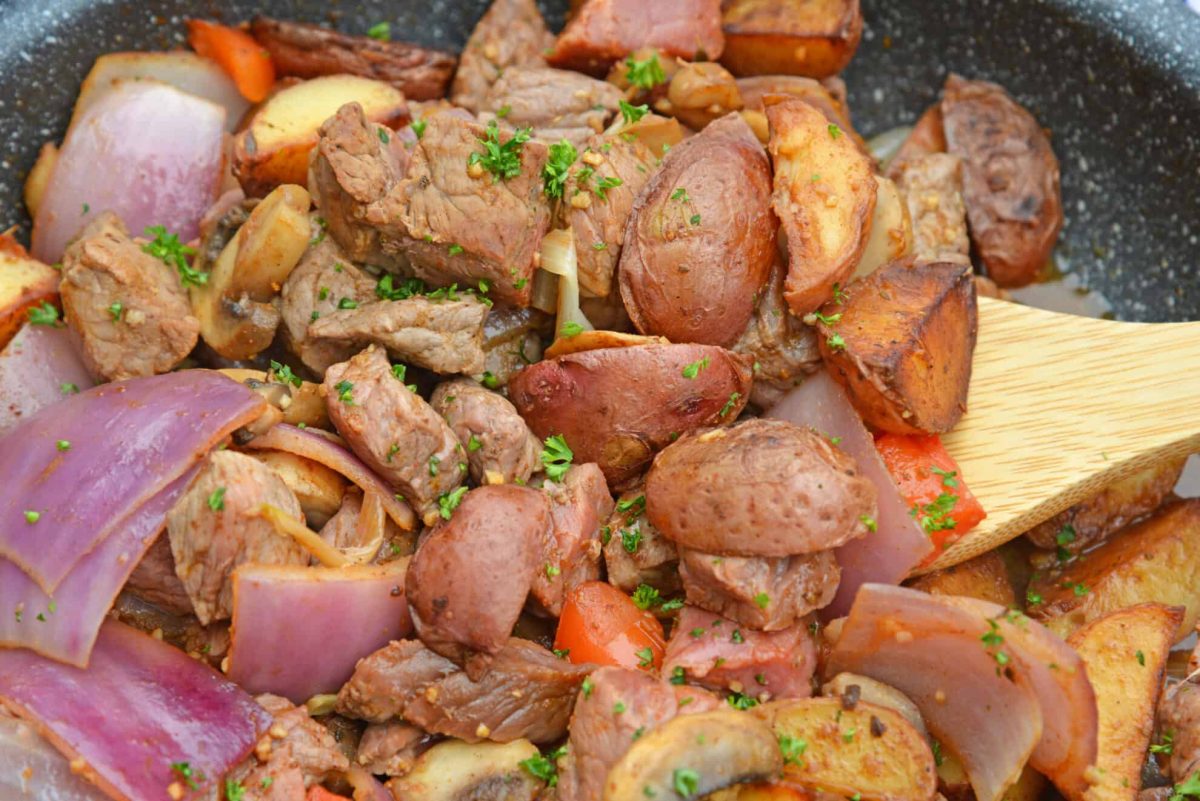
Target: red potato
[(701, 92), (755, 89), (617, 407), (816, 38), (1010, 179), (825, 195), (761, 488), (701, 239), (900, 344)]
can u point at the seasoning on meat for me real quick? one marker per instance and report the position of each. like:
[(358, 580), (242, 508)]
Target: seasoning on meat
[(635, 553), (500, 447), (570, 555), (511, 34), (556, 104)]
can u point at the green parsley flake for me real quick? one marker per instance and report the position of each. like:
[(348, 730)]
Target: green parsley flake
[(646, 597), (685, 781), (633, 113), (502, 160), (115, 310), (762, 600), (345, 391), (45, 314), (284, 375), (562, 156), (167, 248), (32, 517), (692, 370), (556, 457), (645, 657), (645, 74), (63, 445), (449, 502), (216, 501), (570, 329), (419, 128), (380, 32)]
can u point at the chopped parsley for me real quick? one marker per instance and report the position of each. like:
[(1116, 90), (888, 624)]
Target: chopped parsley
[(115, 310), (570, 329), (433, 465), (190, 777), (1189, 787), (948, 476), (1032, 598), (681, 194), (619, 707), (835, 342), (992, 639), (695, 220), (599, 246), (677, 676), (63, 445), (556, 457), (216, 500), (1165, 744), (839, 295), (167, 248), (234, 791), (869, 522), (831, 319), (729, 404), (347, 303), (45, 314), (935, 516), (284, 375), (557, 170), (834, 131), (383, 135), (68, 388), (455, 249), (631, 538), (504, 111), (587, 686), (345, 391), (32, 517), (762, 600), (473, 444), (449, 502), (502, 160), (386, 288), (605, 184), (685, 780), (692, 370), (645, 657), (544, 767), (633, 113), (419, 128), (552, 570), (645, 74), (645, 597), (380, 32), (1141, 658), (740, 701)]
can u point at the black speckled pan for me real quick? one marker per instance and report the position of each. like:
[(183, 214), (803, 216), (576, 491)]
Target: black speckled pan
[(1116, 81)]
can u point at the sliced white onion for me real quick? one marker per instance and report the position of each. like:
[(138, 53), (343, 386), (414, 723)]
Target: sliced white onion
[(559, 257), (885, 145)]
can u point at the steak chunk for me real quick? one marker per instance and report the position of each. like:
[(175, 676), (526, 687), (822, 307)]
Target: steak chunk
[(529, 692), (322, 281), (599, 223), (468, 582), (580, 503), (715, 652), (303, 755), (557, 104), (511, 34), (500, 447), (309, 51), (445, 336), (457, 222), (932, 189), (390, 749), (154, 580), (394, 430), (128, 309), (763, 593), (605, 31), (636, 553), (355, 164), (216, 526)]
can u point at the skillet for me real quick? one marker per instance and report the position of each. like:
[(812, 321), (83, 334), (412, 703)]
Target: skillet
[(1117, 82)]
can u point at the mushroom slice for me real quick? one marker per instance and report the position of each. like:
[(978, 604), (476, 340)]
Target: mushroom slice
[(456, 771), (693, 755)]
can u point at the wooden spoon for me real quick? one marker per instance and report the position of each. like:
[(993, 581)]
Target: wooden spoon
[(1061, 406)]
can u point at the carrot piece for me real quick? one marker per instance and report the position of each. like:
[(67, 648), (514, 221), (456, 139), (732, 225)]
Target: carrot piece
[(932, 485), (246, 61), (602, 625), (319, 793)]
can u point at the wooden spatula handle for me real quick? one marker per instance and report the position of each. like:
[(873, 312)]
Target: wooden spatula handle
[(1061, 406)]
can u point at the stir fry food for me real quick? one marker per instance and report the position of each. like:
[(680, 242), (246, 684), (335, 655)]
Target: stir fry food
[(557, 420)]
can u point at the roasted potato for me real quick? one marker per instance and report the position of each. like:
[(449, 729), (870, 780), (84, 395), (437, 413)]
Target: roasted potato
[(900, 344), (456, 771), (319, 489), (854, 686), (760, 792), (701, 92), (1010, 179), (24, 283), (926, 137), (596, 340), (985, 577), (1113, 508), (1157, 560), (754, 89), (816, 38), (39, 177), (798, 494), (275, 145), (701, 240), (301, 406), (1125, 653), (693, 755), (824, 196), (854, 750), (656, 132), (310, 51), (237, 318), (588, 398), (891, 236)]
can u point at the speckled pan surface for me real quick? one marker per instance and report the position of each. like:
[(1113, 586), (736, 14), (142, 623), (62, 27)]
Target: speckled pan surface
[(1116, 81)]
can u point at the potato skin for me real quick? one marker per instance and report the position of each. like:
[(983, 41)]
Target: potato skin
[(909, 330), (985, 577), (617, 407), (1010, 179), (790, 37), (926, 138), (697, 281), (760, 488), (827, 221)]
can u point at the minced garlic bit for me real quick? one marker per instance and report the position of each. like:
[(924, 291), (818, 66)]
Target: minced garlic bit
[(277, 731), (482, 730), (176, 791)]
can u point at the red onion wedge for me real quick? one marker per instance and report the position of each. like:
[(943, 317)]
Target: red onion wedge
[(324, 449), (31, 769), (996, 688), (40, 366), (141, 707), (64, 627), (125, 442), (144, 150), (888, 554), (298, 631)]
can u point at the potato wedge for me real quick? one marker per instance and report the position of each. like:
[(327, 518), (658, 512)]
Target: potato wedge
[(756, 88), (453, 771), (304, 405), (985, 577), (39, 177), (24, 283), (587, 398), (274, 147), (824, 196), (852, 685), (760, 792), (953, 781), (902, 345), (319, 489), (595, 340), (1125, 654), (694, 755), (237, 319), (891, 236), (1010, 179), (701, 92), (854, 749), (1112, 508), (1157, 560), (816, 38)]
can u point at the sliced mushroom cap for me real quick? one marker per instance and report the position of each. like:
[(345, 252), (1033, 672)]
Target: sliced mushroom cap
[(693, 755), (456, 771)]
